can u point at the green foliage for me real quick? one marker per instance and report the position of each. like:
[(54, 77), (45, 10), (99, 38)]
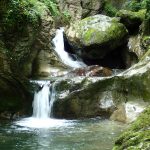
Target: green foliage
[(52, 6), (136, 5), (66, 16), (109, 9), (21, 12)]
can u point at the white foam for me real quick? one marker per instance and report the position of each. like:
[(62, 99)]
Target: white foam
[(33, 122), (63, 55)]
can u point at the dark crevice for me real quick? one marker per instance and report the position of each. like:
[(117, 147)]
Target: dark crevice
[(113, 60), (119, 58)]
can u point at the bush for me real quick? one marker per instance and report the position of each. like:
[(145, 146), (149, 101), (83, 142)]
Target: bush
[(20, 12), (52, 6), (136, 5), (109, 9)]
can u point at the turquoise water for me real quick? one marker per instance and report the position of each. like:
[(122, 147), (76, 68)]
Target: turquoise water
[(90, 134)]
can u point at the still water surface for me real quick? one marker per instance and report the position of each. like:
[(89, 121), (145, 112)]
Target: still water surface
[(90, 134)]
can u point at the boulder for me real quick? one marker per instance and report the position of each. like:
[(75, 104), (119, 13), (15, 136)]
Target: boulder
[(94, 37), (82, 97)]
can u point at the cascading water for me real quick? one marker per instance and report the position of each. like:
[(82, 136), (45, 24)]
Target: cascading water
[(60, 50), (41, 104), (42, 109)]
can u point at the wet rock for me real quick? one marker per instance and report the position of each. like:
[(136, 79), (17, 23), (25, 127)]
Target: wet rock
[(90, 71), (80, 97), (128, 112), (46, 64), (134, 45), (94, 37)]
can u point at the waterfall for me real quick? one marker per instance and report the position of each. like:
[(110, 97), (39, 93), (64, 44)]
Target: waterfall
[(63, 55), (43, 101), (42, 108), (41, 104)]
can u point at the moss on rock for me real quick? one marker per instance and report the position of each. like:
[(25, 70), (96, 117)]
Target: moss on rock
[(130, 19), (94, 34), (137, 137)]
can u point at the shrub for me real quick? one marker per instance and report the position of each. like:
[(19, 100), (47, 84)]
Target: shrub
[(109, 9), (136, 5), (52, 6), (20, 12)]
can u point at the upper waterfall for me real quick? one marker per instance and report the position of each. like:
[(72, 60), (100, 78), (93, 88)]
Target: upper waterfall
[(60, 50)]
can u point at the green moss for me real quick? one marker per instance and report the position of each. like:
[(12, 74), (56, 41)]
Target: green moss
[(109, 9), (136, 5), (140, 15), (137, 136), (18, 13), (147, 55), (52, 6), (91, 35)]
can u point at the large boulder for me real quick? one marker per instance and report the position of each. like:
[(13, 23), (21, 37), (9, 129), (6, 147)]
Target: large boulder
[(126, 93), (95, 36)]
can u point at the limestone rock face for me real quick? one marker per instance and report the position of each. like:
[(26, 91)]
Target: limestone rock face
[(90, 8), (127, 93), (96, 36), (14, 89), (33, 42), (134, 45), (73, 8), (80, 8)]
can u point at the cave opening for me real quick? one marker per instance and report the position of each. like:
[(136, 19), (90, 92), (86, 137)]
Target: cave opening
[(119, 58)]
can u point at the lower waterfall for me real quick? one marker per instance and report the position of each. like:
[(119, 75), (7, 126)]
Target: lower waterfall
[(41, 104), (42, 109)]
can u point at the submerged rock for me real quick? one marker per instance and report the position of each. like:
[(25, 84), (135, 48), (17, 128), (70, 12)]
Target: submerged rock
[(95, 36)]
